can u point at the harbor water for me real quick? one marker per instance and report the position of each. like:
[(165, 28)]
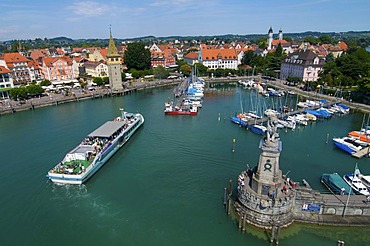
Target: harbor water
[(165, 186)]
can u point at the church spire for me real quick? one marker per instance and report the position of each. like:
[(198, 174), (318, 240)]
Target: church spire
[(112, 50)]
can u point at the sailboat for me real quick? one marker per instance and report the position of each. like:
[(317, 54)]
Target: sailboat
[(256, 128)]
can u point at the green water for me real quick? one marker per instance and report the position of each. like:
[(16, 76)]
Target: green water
[(165, 187)]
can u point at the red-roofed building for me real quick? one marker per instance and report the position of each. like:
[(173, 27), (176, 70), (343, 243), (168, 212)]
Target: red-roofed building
[(96, 69), (23, 72), (191, 58), (337, 50), (57, 68), (99, 55), (6, 79), (164, 59), (218, 58)]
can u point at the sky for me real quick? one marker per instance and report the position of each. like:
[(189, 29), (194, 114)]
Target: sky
[(30, 19)]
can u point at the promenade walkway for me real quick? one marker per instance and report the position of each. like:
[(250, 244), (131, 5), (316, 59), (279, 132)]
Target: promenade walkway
[(75, 95)]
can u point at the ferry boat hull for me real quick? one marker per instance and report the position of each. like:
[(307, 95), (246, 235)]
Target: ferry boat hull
[(64, 177)]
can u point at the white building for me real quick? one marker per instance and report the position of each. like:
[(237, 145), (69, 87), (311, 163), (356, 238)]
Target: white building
[(303, 64), (218, 58)]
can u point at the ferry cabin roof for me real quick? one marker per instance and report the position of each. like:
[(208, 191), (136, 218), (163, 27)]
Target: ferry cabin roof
[(108, 129)]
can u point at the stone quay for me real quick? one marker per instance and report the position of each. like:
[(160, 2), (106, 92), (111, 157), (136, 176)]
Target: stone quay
[(267, 199)]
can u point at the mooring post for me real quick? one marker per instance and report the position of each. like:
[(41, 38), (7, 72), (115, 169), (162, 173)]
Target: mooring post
[(244, 220), (272, 234), (228, 204), (231, 187), (225, 196), (278, 235), (240, 221)]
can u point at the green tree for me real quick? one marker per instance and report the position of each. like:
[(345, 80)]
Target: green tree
[(248, 58), (134, 73), (185, 69), (18, 93), (98, 81), (364, 85), (137, 56), (105, 80), (45, 82), (160, 72), (201, 69), (330, 58), (279, 51), (325, 39), (34, 90), (311, 40)]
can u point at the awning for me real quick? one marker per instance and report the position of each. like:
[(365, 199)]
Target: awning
[(108, 129)]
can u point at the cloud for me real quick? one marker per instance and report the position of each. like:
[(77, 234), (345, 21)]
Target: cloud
[(89, 8), (157, 3)]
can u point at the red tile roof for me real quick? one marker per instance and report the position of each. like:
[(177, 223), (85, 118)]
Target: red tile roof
[(192, 55), (48, 61), (215, 54), (282, 42), (14, 57), (104, 52), (343, 46), (4, 70)]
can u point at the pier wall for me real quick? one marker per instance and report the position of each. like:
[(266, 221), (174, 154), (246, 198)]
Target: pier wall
[(330, 209), (56, 99)]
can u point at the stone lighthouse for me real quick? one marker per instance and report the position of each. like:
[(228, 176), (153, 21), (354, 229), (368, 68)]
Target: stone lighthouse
[(264, 198)]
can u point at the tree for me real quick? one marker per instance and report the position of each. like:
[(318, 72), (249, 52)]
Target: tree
[(185, 69), (326, 39), (330, 58), (98, 81), (279, 51), (105, 80), (364, 85), (160, 72), (201, 69), (18, 93), (34, 90), (311, 40), (137, 56), (45, 82), (248, 58)]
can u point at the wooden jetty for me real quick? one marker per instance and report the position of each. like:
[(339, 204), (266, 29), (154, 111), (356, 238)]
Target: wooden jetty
[(359, 154)]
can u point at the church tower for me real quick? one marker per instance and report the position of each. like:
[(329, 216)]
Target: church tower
[(114, 63), (280, 34), (270, 39)]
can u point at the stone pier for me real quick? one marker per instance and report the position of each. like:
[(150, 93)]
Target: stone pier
[(268, 200)]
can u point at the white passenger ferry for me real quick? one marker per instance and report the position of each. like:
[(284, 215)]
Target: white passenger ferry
[(94, 151)]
